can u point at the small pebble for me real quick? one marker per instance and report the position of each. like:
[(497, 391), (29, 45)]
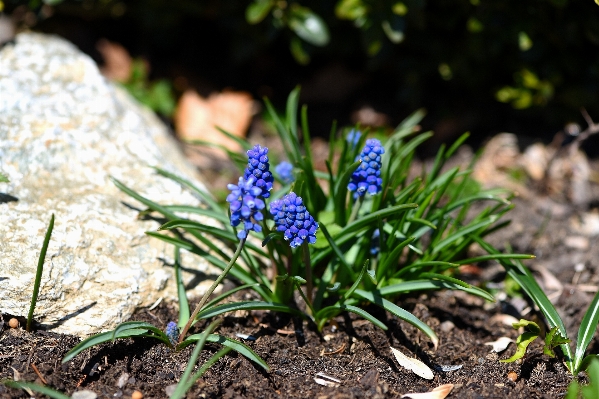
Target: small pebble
[(447, 326), (13, 323), (122, 380), (512, 376), (84, 394), (137, 395), (170, 389)]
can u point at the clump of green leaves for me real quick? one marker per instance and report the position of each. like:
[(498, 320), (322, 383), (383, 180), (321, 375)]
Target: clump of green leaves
[(575, 361), (407, 236), (552, 339)]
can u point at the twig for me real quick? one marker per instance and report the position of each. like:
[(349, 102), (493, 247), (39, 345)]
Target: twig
[(39, 374), (592, 128)]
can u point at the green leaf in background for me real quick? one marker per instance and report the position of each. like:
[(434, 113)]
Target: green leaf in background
[(258, 10), (308, 25), (352, 10), (297, 50), (4, 178)]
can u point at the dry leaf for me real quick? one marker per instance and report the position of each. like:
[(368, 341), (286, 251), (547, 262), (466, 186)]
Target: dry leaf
[(438, 393), (500, 345), (117, 61), (326, 380), (414, 365), (196, 118), (505, 319)]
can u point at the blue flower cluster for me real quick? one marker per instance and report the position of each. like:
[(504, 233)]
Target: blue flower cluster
[(246, 206), (285, 172), (292, 217), (259, 168), (172, 332), (367, 177)]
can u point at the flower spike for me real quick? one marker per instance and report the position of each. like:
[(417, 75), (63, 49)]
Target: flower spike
[(292, 218), (246, 206), (367, 178), (259, 167)]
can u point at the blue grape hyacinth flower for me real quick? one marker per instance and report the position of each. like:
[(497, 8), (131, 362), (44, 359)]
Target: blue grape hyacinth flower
[(246, 206), (353, 137), (292, 218), (259, 167), (367, 177), (285, 172), (172, 332)]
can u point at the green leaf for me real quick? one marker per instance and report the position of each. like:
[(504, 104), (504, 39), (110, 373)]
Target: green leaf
[(586, 331), (97, 339), (181, 294), (247, 305), (187, 380), (335, 287), (522, 342), (257, 11), (376, 298), (240, 347), (308, 25), (227, 294), (203, 194), (553, 339), (531, 326), (4, 178), (35, 387), (356, 283), (420, 285), (38, 273), (214, 231), (329, 312), (231, 343)]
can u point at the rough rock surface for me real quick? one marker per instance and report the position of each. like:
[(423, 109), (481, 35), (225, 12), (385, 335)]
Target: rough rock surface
[(64, 130)]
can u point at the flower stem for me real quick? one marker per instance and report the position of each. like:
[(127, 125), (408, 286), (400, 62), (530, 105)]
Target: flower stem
[(308, 266), (211, 290), (356, 208)]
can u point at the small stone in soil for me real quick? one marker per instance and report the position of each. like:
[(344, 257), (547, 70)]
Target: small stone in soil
[(137, 395), (13, 323), (85, 394), (122, 380)]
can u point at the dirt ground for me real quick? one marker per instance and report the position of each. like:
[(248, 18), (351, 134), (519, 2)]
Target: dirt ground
[(352, 350)]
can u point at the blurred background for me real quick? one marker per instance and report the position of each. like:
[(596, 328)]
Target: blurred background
[(484, 66)]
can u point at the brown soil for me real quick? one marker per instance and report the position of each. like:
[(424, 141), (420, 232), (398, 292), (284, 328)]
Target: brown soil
[(352, 351)]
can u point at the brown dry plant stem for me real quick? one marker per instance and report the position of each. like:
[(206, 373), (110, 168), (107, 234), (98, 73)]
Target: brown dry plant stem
[(211, 290)]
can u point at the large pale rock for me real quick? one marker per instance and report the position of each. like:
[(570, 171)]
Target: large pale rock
[(64, 130)]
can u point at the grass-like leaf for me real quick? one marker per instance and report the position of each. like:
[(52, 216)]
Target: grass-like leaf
[(247, 305), (421, 285), (38, 273), (186, 380), (36, 388), (237, 346), (376, 298), (97, 339), (331, 311), (206, 197), (214, 231), (181, 294), (587, 329)]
